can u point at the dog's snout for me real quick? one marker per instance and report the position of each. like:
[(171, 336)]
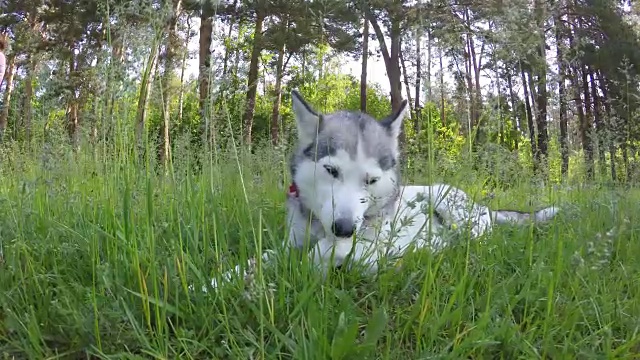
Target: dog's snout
[(343, 228)]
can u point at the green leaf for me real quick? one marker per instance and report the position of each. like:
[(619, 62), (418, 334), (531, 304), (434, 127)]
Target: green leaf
[(344, 339), (375, 328)]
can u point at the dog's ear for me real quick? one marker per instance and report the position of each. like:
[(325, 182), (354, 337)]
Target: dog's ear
[(307, 119), (393, 123)]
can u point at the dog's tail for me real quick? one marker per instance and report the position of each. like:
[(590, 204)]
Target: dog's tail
[(520, 217)]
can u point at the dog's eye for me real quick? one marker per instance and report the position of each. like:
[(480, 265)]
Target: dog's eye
[(331, 170), (372, 180)]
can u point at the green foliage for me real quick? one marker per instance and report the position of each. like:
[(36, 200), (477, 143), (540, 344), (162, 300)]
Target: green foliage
[(330, 93), (99, 250), (378, 105), (98, 247), (436, 139)]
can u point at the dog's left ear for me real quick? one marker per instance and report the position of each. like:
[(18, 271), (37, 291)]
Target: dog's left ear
[(307, 119), (393, 123)]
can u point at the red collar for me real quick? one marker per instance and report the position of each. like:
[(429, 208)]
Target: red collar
[(293, 190)]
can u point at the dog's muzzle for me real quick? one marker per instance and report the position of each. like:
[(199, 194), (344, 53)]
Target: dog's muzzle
[(343, 228)]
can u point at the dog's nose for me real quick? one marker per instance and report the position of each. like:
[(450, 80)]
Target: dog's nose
[(343, 228)]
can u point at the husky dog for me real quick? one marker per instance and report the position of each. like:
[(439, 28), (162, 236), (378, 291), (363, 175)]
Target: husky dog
[(346, 199)]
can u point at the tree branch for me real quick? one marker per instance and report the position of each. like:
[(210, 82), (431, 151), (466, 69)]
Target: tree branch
[(376, 28)]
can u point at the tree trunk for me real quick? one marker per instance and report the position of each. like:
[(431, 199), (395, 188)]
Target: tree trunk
[(597, 120), (391, 57), (416, 107), (73, 121), (173, 43), (28, 95), (8, 90), (93, 131), (115, 71), (633, 166), (443, 117), (252, 80), (304, 63), (72, 104), (145, 90), (115, 63), (406, 78), (429, 54), (181, 90), (365, 61), (227, 50), (515, 113), (562, 69), (476, 64), (182, 71), (625, 160), (204, 60), (541, 115), (235, 67), (583, 108), (275, 114), (541, 93), (586, 143), (586, 124), (467, 74), (502, 137), (541, 119), (320, 66), (532, 130), (611, 130)]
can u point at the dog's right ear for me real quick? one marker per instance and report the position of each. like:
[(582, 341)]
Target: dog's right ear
[(393, 122), (307, 119)]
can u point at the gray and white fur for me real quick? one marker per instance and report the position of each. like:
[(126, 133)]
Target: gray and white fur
[(350, 201)]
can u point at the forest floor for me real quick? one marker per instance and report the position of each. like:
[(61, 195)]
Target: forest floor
[(98, 256)]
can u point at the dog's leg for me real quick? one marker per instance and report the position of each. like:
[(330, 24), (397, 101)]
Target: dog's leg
[(520, 217), (328, 253), (246, 271), (456, 209), (334, 253)]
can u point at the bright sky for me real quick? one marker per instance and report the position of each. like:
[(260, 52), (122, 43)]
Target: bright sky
[(376, 72), (375, 66)]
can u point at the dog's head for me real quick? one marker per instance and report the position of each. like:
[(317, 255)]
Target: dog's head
[(345, 165)]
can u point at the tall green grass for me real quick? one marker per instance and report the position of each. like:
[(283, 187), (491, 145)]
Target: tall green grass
[(99, 251)]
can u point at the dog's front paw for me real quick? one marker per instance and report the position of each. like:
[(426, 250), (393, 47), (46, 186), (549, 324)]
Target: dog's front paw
[(247, 273), (225, 278)]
